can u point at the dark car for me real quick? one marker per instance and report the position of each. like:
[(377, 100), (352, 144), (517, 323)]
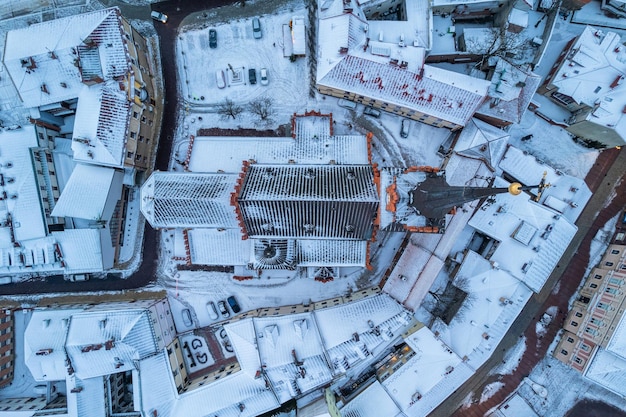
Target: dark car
[(252, 75), (233, 304), (212, 38)]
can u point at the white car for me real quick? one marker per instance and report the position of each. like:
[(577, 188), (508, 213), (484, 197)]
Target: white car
[(212, 310), (263, 74), (405, 128), (187, 317), (161, 17), (220, 78), (256, 28), (346, 104)]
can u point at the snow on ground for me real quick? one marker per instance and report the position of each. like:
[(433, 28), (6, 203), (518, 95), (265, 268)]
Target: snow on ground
[(511, 359), (565, 388), (600, 242), (490, 390)]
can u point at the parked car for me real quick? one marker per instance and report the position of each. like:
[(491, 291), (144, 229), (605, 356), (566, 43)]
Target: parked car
[(264, 79), (370, 111), (252, 76), (256, 28), (346, 104), (233, 304), (222, 306), (161, 17), (212, 38), (220, 78), (187, 317), (78, 277), (405, 128), (210, 308)]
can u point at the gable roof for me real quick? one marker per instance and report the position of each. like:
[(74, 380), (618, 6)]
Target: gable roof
[(189, 200), (593, 73), (482, 141), (102, 120), (510, 92), (443, 94), (106, 342), (86, 192), (59, 53), (609, 370), (47, 329)]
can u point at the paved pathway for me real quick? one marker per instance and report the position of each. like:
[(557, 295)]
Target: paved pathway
[(606, 172)]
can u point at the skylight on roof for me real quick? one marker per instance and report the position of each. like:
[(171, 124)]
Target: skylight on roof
[(524, 233)]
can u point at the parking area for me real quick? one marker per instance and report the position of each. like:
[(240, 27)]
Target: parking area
[(238, 51)]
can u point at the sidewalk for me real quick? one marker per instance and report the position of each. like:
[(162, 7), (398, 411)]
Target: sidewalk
[(607, 170)]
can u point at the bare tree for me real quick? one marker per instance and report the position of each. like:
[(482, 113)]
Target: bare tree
[(262, 107), (228, 108), (498, 42)]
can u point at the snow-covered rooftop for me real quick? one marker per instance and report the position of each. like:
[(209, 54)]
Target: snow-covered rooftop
[(480, 140), (106, 342), (89, 397), (349, 60), (223, 397), (87, 191), (189, 200), (593, 73), (44, 341), (567, 194), (406, 272), (609, 370), (432, 362), (531, 236), (291, 354), (447, 95), (510, 92), (338, 324), (102, 119), (218, 247), (494, 299), (84, 250), (48, 61), (617, 344), (414, 30), (228, 153), (518, 17), (22, 194), (374, 401)]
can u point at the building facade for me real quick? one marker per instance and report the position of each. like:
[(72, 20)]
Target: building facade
[(596, 312), (7, 354)]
